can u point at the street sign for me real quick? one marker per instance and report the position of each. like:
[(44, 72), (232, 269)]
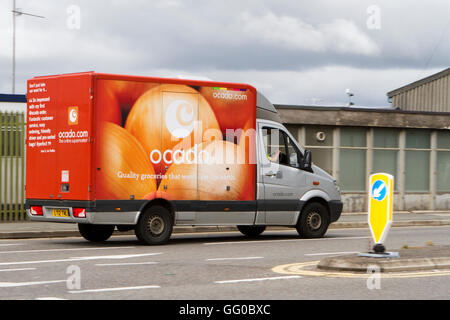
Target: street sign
[(381, 196)]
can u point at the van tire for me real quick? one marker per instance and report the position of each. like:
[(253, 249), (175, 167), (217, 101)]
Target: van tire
[(314, 221), (251, 231), (96, 232), (154, 226)]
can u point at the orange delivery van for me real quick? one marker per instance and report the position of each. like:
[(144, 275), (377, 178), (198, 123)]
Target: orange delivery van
[(147, 154)]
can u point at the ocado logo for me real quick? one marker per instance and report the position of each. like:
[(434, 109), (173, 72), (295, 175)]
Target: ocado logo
[(73, 115), (182, 124), (228, 95), (192, 156)]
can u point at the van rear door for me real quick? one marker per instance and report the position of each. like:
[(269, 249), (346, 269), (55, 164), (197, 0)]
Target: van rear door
[(59, 135)]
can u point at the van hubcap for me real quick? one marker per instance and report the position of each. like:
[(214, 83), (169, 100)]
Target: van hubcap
[(155, 225), (314, 220)]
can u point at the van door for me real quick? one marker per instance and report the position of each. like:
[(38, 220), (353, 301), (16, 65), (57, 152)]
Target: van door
[(284, 183)]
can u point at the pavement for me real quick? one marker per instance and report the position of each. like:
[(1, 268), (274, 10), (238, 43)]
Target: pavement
[(28, 229), (409, 259)]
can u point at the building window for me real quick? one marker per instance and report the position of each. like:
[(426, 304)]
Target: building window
[(443, 161), (443, 140), (319, 139), (352, 162), (417, 161), (385, 151), (418, 139)]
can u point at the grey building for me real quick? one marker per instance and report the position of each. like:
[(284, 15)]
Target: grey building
[(411, 141)]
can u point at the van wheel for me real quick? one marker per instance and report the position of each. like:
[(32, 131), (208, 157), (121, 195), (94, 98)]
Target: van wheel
[(95, 232), (313, 221), (154, 226), (251, 231)]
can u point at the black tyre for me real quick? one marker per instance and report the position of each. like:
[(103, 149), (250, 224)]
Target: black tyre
[(154, 226), (95, 232), (314, 221), (251, 231)]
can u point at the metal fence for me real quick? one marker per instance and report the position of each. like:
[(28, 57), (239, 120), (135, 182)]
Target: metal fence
[(12, 166)]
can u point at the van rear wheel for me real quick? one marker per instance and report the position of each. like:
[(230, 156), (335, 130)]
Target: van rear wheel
[(313, 221), (251, 231), (154, 226), (95, 232)]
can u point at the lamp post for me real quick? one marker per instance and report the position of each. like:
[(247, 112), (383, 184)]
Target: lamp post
[(17, 12)]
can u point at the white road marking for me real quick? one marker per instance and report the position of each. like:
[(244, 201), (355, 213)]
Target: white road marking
[(124, 264), (281, 240), (328, 253), (71, 249), (257, 279), (10, 244), (80, 259), (22, 269), (118, 256), (115, 289), (242, 258), (22, 284), (50, 298)]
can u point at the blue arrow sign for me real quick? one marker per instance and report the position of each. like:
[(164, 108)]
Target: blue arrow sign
[(379, 190)]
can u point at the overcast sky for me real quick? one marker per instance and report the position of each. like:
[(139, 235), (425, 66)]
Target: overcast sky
[(294, 52)]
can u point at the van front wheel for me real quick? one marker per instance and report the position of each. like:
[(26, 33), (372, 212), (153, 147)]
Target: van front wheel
[(313, 221)]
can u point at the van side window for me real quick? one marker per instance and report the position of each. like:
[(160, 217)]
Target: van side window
[(294, 154), (275, 145)]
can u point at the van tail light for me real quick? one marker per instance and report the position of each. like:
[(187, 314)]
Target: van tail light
[(36, 211), (79, 212)]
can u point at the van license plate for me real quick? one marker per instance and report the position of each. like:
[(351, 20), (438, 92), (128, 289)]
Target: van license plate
[(60, 213)]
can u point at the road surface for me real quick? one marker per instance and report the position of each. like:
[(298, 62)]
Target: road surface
[(206, 266)]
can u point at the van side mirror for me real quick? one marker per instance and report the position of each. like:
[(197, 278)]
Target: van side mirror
[(306, 162)]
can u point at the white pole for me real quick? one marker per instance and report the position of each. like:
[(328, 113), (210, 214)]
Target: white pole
[(14, 49)]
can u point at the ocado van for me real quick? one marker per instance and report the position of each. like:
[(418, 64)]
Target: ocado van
[(147, 154)]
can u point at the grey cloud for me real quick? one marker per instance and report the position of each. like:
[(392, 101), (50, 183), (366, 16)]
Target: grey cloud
[(234, 39)]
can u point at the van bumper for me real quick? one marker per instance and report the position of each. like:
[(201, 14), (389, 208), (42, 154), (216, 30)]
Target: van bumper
[(335, 209), (92, 217)]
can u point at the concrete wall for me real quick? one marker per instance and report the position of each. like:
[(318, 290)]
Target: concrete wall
[(297, 119)]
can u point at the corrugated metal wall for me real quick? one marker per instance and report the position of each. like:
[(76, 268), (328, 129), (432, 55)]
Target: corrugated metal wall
[(433, 96)]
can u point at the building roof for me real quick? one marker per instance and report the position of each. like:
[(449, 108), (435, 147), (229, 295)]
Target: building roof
[(325, 108), (13, 98), (420, 82), (363, 117), (355, 109)]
